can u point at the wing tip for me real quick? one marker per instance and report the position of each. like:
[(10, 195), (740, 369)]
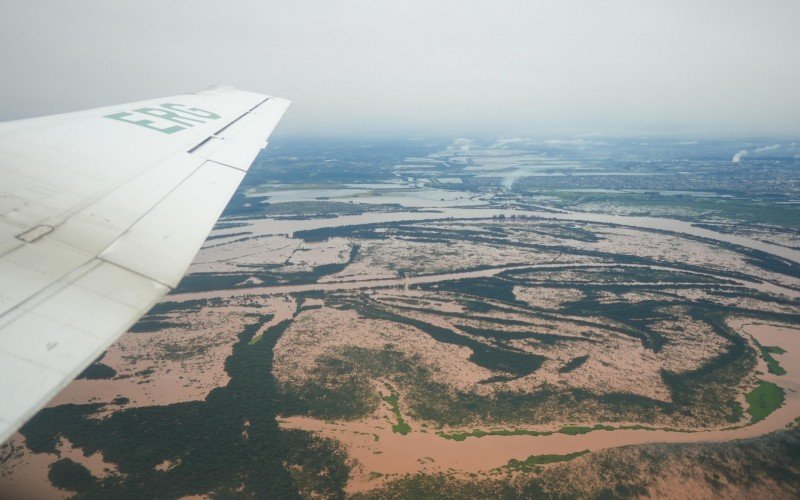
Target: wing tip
[(211, 89)]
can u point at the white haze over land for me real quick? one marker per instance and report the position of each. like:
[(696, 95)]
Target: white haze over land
[(737, 158), (683, 68)]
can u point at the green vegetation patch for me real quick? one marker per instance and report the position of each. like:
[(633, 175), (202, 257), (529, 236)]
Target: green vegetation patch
[(773, 366), (532, 461), (573, 364), (570, 430), (763, 400), (461, 436), (98, 371), (69, 475), (574, 430), (774, 349), (401, 427), (513, 361), (492, 288), (155, 323)]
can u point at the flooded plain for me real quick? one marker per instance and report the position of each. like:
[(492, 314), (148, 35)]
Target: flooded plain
[(378, 449), (409, 281), (446, 332), (282, 227)]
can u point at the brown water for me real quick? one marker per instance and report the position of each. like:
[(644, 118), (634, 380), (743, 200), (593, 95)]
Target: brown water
[(436, 278), (30, 475), (419, 451), (289, 227)]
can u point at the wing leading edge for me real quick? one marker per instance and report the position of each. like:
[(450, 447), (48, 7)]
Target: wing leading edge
[(101, 213)]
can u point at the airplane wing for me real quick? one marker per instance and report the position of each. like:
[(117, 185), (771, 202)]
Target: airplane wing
[(101, 213)]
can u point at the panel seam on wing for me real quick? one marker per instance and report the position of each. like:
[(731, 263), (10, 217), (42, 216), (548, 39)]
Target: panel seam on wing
[(31, 362), (48, 291), (216, 134), (226, 165), (133, 271)]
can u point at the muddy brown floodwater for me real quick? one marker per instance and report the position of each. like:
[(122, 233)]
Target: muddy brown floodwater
[(380, 450), (371, 441), (31, 480), (289, 227), (436, 278)]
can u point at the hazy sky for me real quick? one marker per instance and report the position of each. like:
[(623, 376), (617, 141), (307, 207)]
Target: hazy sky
[(418, 67)]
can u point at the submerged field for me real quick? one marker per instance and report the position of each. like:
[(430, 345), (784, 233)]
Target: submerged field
[(434, 321)]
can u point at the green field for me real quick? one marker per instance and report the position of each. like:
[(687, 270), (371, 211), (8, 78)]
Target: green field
[(532, 461), (763, 400)]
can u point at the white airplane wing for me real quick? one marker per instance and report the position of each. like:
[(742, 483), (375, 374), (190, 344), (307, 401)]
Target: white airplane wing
[(101, 213)]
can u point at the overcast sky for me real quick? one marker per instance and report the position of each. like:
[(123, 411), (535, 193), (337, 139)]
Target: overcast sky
[(689, 68)]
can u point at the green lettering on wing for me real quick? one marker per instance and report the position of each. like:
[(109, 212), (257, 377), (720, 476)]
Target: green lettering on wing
[(167, 118)]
